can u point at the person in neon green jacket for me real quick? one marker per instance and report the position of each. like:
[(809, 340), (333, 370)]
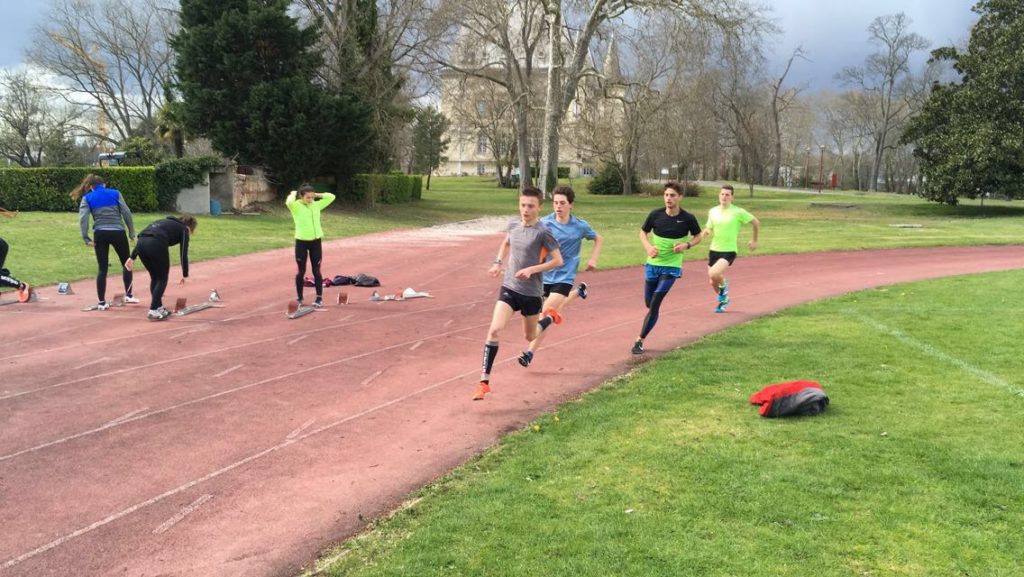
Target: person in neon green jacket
[(305, 206)]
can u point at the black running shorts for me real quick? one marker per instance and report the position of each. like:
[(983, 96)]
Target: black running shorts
[(714, 256), (561, 288), (527, 306)]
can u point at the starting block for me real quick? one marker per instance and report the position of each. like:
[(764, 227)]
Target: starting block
[(181, 310), (295, 311), (395, 297)]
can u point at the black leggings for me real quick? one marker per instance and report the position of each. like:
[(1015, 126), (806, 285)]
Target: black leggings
[(153, 252), (104, 239), (655, 292), (5, 275), (314, 251)]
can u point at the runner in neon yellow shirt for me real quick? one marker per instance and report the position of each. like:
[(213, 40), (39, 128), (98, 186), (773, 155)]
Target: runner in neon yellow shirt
[(305, 206), (723, 226)]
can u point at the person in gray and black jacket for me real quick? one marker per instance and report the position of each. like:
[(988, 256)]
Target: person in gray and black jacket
[(110, 215)]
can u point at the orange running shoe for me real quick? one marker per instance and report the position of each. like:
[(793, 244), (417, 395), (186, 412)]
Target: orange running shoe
[(555, 317), (24, 293), (483, 390)]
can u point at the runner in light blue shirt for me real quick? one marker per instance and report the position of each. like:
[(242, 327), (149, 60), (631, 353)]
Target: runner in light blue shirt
[(570, 232)]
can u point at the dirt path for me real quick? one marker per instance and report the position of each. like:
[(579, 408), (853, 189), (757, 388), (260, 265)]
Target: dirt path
[(236, 442)]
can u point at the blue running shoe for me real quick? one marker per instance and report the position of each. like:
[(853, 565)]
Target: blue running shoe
[(582, 290), (723, 291), (722, 303)]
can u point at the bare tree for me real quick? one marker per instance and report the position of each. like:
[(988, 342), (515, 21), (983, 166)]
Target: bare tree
[(33, 125), (111, 55), (375, 50), (782, 99), (884, 81), (572, 28), (484, 110), (495, 41)]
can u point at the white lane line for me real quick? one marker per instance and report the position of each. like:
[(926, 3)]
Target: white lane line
[(90, 363), (331, 327), (182, 514), (226, 371), (937, 354), (226, 469), (250, 312), (123, 418), (297, 339), (226, 392), (301, 428), (188, 332), (370, 378), (416, 346), (448, 324)]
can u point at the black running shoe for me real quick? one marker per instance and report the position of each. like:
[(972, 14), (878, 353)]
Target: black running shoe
[(319, 302), (582, 290), (525, 358), (638, 347)]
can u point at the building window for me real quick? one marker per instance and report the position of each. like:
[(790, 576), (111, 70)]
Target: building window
[(588, 171), (481, 144), (481, 169)]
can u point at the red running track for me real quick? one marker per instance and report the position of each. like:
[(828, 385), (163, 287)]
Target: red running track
[(237, 442)]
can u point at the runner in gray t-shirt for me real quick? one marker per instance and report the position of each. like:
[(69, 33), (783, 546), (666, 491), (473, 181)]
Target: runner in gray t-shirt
[(527, 244)]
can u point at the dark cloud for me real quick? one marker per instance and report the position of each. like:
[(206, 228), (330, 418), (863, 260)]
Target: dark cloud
[(834, 34)]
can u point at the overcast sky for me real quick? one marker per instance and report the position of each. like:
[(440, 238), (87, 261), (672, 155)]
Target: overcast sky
[(833, 33)]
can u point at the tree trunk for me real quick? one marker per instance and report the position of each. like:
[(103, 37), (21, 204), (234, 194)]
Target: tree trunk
[(552, 109), (523, 142)]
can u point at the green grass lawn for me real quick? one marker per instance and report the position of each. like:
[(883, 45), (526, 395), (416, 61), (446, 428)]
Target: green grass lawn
[(46, 248), (916, 468)]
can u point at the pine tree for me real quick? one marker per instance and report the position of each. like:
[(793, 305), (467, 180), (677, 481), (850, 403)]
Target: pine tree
[(429, 142), (246, 71)]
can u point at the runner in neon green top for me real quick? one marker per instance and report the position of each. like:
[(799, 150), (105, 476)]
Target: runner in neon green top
[(723, 226), (305, 206)]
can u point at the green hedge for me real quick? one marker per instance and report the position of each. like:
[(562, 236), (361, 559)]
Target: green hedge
[(562, 171), (47, 189), (374, 189), (180, 173)]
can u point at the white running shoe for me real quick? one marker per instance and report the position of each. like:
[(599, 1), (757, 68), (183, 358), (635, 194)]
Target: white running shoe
[(130, 300)]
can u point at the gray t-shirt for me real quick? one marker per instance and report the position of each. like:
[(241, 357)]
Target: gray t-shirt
[(529, 246)]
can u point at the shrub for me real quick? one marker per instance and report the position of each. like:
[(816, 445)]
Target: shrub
[(374, 189), (176, 174), (609, 181), (47, 189)]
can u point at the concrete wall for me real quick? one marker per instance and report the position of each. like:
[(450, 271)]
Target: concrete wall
[(195, 200), (249, 189)]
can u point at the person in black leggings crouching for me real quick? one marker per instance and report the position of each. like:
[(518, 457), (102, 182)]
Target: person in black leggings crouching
[(153, 248), (110, 215), (6, 280)]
